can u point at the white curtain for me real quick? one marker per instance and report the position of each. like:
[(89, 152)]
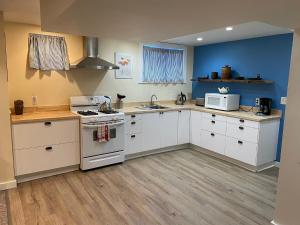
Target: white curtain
[(48, 52), (162, 65)]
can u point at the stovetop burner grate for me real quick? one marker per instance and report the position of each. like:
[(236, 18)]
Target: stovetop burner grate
[(87, 113)]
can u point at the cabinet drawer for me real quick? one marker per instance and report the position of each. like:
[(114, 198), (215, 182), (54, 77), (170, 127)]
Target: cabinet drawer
[(215, 126), (31, 135), (38, 159), (214, 116), (241, 150), (133, 117), (242, 132), (247, 123), (213, 141), (133, 144), (133, 127)]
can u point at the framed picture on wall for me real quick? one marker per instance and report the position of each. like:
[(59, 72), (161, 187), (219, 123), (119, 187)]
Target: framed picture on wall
[(124, 61)]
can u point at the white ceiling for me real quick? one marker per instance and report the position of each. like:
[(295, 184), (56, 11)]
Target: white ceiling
[(239, 32), (144, 20), (24, 11)]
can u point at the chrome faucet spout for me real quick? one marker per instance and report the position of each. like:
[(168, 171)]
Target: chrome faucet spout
[(151, 102)]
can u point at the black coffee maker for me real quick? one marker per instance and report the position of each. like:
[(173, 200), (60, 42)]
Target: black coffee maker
[(265, 106)]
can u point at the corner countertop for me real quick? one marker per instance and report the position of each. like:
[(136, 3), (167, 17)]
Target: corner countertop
[(28, 117), (237, 114)]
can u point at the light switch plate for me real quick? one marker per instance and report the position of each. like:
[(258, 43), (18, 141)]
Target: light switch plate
[(283, 100)]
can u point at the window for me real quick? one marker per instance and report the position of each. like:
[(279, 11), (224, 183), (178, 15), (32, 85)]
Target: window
[(163, 63)]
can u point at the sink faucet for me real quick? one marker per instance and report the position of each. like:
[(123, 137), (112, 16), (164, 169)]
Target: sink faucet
[(151, 102)]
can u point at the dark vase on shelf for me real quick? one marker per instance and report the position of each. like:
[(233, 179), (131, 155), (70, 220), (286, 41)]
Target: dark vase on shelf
[(226, 72), (214, 75)]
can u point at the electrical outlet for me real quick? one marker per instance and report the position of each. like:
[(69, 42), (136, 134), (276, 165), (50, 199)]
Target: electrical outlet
[(34, 100), (283, 100), (257, 101)]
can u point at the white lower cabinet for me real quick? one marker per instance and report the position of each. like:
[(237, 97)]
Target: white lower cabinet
[(253, 143), (168, 128), (151, 131), (250, 142), (183, 134), (158, 130), (133, 143), (213, 141), (243, 151), (47, 145), (44, 158), (195, 128)]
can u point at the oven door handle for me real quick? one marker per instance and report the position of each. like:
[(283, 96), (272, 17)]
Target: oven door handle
[(99, 125)]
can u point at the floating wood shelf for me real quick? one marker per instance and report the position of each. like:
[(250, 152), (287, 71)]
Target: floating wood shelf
[(233, 81)]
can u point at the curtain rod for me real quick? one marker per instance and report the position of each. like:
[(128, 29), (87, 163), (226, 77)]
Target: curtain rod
[(47, 35)]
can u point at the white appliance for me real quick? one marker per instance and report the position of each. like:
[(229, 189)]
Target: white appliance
[(94, 153), (225, 102)]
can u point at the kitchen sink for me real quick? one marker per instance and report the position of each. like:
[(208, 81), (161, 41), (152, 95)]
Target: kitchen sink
[(149, 107)]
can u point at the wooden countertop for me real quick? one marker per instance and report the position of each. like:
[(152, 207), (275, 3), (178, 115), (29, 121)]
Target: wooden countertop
[(28, 117), (237, 114), (36, 116)]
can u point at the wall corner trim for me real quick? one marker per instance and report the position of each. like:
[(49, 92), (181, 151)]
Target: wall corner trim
[(8, 185), (277, 164)]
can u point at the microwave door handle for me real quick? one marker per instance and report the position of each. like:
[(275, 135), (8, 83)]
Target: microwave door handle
[(99, 125)]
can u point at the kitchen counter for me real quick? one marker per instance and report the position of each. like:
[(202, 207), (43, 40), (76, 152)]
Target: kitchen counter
[(28, 117), (276, 114)]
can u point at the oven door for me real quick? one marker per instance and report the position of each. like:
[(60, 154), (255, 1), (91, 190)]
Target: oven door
[(91, 147)]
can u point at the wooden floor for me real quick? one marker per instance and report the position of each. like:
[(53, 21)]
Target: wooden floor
[(180, 187)]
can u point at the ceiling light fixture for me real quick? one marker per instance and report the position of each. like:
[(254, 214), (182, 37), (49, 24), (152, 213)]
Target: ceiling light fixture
[(229, 28), (199, 39)]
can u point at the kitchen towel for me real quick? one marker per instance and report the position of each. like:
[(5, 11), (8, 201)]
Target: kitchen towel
[(48, 52), (103, 133)]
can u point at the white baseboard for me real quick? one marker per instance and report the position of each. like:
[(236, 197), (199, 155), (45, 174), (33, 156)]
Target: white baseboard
[(277, 164), (8, 185), (272, 222)]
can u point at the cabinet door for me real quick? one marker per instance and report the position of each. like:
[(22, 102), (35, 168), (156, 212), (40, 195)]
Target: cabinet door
[(133, 143), (151, 126), (183, 126), (195, 128), (168, 128)]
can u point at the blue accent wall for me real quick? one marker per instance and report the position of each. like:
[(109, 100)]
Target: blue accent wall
[(269, 56)]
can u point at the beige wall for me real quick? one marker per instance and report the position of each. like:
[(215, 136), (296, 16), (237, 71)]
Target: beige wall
[(6, 159), (288, 196), (54, 88)]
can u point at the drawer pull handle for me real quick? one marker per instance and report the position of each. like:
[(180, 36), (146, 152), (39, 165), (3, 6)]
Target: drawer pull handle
[(241, 128), (213, 121), (179, 111), (132, 116), (240, 142), (47, 123), (213, 115), (48, 148), (132, 123), (212, 134), (132, 136), (242, 121)]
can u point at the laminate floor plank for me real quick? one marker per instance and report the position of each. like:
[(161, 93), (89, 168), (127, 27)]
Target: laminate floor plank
[(182, 187)]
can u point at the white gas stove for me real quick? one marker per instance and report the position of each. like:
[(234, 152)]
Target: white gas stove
[(102, 133)]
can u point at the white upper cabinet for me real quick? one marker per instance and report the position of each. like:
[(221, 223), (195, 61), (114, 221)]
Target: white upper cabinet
[(184, 126)]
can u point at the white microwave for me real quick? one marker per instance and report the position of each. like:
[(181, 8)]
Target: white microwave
[(225, 102)]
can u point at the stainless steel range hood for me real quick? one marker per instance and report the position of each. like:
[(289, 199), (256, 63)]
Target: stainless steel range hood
[(91, 59)]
